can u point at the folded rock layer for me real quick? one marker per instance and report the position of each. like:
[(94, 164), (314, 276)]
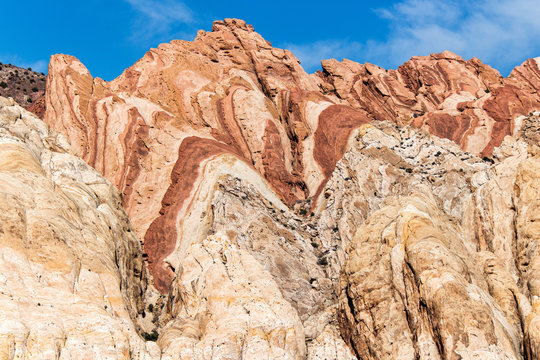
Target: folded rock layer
[(282, 220)]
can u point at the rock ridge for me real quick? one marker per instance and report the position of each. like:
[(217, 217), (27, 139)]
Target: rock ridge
[(353, 213)]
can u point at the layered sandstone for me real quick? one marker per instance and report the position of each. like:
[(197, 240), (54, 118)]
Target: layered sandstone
[(440, 246), (281, 222), (72, 279), (153, 130), (464, 101)]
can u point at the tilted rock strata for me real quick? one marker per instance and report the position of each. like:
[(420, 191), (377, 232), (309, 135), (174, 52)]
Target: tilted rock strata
[(213, 142), (152, 130), (409, 239), (409, 253), (71, 273), (465, 101)]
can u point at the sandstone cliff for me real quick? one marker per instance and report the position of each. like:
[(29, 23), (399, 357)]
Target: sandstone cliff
[(281, 220), (72, 278)]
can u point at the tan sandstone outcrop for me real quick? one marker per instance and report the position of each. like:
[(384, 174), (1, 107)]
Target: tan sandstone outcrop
[(281, 222), (430, 270), (72, 278), (152, 130)]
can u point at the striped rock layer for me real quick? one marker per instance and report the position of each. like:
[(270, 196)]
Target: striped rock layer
[(158, 130)]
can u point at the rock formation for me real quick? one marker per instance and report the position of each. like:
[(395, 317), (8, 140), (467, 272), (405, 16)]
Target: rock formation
[(464, 101), (355, 213), (72, 279)]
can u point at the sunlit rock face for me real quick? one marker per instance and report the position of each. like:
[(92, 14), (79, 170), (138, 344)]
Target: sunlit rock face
[(464, 101), (282, 220), (72, 279), (153, 130)]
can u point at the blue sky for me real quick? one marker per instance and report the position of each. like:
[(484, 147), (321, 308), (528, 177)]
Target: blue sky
[(110, 35)]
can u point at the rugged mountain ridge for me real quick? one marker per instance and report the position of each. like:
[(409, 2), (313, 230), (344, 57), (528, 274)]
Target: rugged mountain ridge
[(465, 101), (230, 92), (282, 221), (25, 86)]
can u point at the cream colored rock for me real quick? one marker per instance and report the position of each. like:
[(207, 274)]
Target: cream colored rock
[(430, 267), (277, 219), (230, 308), (71, 272)]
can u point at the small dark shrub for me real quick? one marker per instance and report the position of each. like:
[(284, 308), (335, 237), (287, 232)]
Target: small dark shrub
[(151, 307), (29, 100), (303, 211), (314, 244), (153, 336), (3, 85), (322, 261), (34, 89), (408, 170)]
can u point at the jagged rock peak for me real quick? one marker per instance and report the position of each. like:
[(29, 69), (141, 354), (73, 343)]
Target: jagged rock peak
[(353, 213), (230, 93)]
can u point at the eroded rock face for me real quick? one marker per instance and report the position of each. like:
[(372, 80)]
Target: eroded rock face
[(440, 268), (72, 279), (152, 130), (281, 222), (464, 101)]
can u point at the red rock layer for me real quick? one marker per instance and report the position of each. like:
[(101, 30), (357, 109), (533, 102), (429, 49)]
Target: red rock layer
[(227, 92), (152, 130), (38, 107), (465, 101)]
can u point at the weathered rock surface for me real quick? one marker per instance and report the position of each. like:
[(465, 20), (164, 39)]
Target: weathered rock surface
[(281, 222), (153, 130), (230, 92), (464, 101), (72, 278), (442, 265)]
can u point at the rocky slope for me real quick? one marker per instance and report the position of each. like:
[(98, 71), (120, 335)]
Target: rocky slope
[(72, 279), (25, 86), (465, 101), (230, 92), (281, 220)]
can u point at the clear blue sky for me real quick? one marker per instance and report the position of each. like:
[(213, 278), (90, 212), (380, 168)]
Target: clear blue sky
[(110, 35)]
